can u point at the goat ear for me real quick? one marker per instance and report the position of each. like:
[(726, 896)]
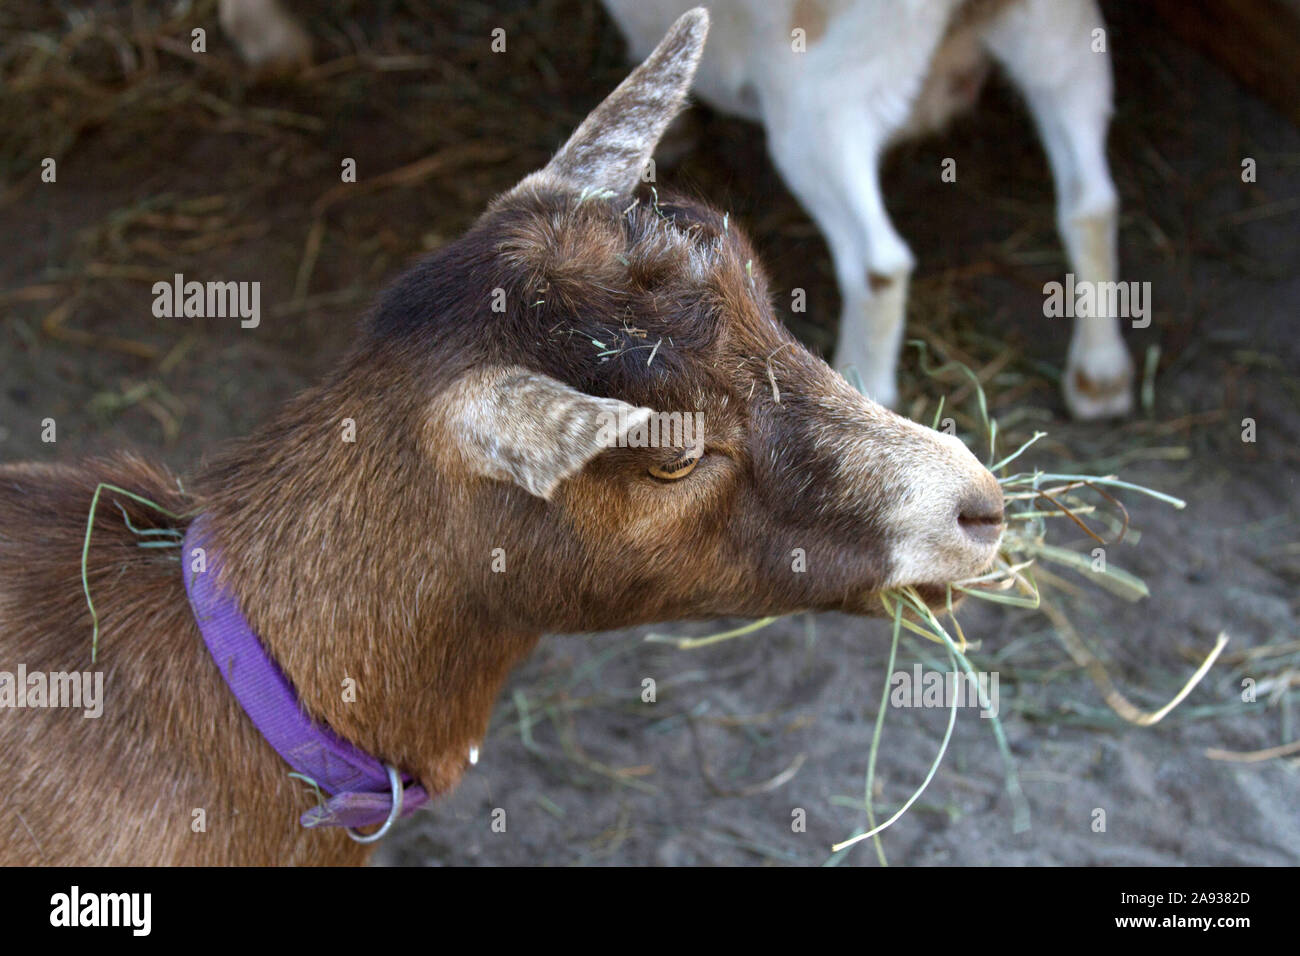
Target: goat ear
[(608, 152), (512, 424)]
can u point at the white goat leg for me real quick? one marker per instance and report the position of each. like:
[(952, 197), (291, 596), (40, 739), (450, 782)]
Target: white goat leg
[(1047, 48), (830, 114), (839, 187)]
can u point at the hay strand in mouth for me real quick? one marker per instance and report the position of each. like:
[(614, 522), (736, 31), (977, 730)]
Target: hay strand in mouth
[(876, 829), (691, 643), (1011, 777), (875, 740)]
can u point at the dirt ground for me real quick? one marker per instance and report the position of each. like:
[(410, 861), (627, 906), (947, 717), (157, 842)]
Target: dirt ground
[(169, 162)]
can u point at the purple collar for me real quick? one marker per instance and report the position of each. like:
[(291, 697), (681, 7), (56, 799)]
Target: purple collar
[(363, 791)]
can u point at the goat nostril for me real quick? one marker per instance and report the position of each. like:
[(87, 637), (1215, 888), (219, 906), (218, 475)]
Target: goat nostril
[(984, 529), (980, 516)]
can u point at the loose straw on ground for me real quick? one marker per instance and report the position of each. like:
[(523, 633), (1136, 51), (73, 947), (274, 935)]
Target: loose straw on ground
[(1118, 702), (1254, 756)]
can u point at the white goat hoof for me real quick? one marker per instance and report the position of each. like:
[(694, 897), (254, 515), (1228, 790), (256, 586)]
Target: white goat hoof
[(1099, 384)]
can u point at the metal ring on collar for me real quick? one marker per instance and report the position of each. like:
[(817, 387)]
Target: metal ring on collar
[(395, 786)]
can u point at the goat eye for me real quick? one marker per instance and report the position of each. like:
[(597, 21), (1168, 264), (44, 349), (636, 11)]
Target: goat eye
[(679, 467)]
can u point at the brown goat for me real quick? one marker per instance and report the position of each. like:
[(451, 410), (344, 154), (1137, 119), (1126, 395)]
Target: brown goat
[(486, 498)]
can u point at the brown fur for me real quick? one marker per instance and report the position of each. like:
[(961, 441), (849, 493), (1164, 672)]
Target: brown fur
[(120, 789), (372, 560)]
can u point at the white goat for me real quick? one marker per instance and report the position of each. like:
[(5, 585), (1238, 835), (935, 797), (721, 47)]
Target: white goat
[(874, 71), (835, 82)]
